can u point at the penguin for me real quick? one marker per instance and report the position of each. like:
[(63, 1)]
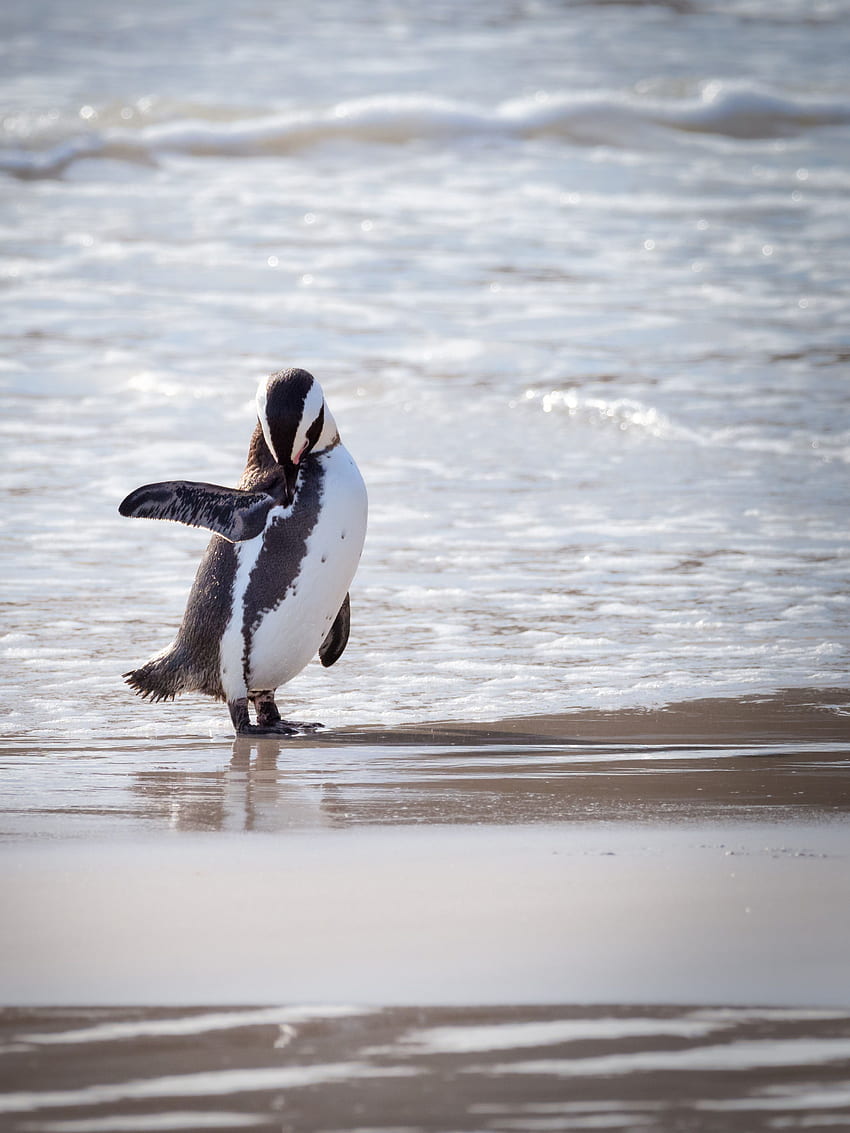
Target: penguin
[(272, 587)]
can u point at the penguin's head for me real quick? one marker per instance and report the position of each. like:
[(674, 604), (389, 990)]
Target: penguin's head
[(295, 421)]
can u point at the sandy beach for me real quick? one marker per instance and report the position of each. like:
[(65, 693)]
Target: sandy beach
[(693, 855), (657, 866)]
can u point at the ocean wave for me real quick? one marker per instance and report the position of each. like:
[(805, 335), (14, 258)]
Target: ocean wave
[(626, 415), (614, 119), (622, 414)]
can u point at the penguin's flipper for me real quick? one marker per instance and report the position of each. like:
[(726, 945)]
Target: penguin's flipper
[(332, 647), (229, 512)]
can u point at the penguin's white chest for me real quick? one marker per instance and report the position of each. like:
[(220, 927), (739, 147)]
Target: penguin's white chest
[(292, 579)]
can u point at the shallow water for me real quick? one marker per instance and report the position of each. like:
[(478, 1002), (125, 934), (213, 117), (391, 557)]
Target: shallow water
[(573, 285)]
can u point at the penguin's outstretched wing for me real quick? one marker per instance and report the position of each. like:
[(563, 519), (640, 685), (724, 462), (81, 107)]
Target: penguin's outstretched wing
[(229, 512), (332, 647)]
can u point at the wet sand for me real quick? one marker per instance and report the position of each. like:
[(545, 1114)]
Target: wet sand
[(514, 1068), (693, 860)]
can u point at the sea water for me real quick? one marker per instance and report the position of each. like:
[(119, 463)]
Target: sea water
[(573, 277)]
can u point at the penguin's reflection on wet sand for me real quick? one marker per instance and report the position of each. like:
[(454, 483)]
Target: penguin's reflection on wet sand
[(271, 800), (250, 793), (262, 752)]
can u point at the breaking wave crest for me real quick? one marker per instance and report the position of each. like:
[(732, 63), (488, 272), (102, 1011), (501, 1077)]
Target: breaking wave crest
[(617, 120), (626, 415)]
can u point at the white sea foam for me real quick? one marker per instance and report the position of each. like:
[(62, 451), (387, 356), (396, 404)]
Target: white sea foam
[(736, 111)]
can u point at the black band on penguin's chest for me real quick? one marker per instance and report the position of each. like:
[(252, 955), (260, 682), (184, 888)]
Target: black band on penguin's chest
[(277, 570)]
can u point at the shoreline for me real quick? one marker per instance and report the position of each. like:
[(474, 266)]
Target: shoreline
[(792, 714)]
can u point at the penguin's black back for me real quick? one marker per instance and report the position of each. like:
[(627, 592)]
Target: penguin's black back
[(192, 662)]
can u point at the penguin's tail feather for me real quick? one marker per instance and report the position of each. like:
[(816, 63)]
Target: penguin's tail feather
[(160, 678)]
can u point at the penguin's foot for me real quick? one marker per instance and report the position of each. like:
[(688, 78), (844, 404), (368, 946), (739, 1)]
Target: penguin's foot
[(268, 722), (300, 726), (280, 729)]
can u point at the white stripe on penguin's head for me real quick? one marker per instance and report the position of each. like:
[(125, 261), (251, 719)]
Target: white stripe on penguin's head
[(313, 403), (262, 399)]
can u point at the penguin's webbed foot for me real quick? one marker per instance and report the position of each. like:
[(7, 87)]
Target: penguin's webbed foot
[(280, 729), (300, 726), (268, 722)]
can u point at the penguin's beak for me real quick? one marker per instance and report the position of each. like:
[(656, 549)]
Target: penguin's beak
[(290, 481)]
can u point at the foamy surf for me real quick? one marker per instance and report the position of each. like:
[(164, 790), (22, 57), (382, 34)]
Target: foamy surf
[(720, 108)]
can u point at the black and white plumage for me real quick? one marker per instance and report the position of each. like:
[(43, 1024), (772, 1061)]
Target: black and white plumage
[(272, 588)]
